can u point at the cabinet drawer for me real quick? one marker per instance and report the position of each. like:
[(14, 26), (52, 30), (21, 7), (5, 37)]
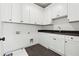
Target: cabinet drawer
[(72, 38)]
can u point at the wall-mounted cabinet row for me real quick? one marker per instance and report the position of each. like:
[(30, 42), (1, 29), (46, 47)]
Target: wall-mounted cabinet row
[(31, 13), (10, 12), (55, 11), (16, 12)]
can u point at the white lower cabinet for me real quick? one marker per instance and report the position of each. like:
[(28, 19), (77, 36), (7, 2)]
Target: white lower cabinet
[(43, 39), (53, 41), (61, 44), (57, 43), (18, 36), (72, 46), (1, 48)]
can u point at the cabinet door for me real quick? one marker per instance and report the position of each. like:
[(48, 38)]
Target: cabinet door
[(6, 11), (72, 46), (16, 12), (35, 14), (73, 12), (1, 48), (62, 9), (43, 39), (26, 12), (48, 15), (57, 43), (59, 9), (1, 42), (15, 35)]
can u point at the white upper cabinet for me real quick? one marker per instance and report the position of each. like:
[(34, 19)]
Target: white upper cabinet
[(73, 12), (32, 13), (11, 12), (48, 13), (59, 10), (16, 12), (54, 11), (26, 13), (6, 12), (36, 14)]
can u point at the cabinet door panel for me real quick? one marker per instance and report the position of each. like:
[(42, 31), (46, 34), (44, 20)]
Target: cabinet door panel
[(35, 14), (1, 48), (57, 43), (60, 43), (16, 37), (72, 46), (43, 40), (17, 12), (73, 11), (5, 11), (26, 13), (62, 9)]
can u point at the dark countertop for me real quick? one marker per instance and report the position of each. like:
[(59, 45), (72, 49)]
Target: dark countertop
[(63, 32)]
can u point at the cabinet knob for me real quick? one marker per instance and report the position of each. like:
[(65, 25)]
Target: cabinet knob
[(65, 41), (68, 19), (54, 38), (21, 21), (10, 19), (72, 38), (3, 39), (58, 15)]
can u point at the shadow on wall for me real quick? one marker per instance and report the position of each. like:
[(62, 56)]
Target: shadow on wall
[(63, 24)]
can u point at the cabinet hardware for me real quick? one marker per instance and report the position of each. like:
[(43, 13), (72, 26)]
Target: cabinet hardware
[(65, 41), (10, 19), (17, 32), (71, 37), (31, 40), (68, 19), (28, 32), (54, 38), (58, 15), (3, 39), (21, 21)]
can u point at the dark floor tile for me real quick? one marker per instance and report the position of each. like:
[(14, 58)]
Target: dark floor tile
[(39, 50)]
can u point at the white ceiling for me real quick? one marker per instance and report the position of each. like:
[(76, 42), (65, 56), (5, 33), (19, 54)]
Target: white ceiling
[(43, 4)]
